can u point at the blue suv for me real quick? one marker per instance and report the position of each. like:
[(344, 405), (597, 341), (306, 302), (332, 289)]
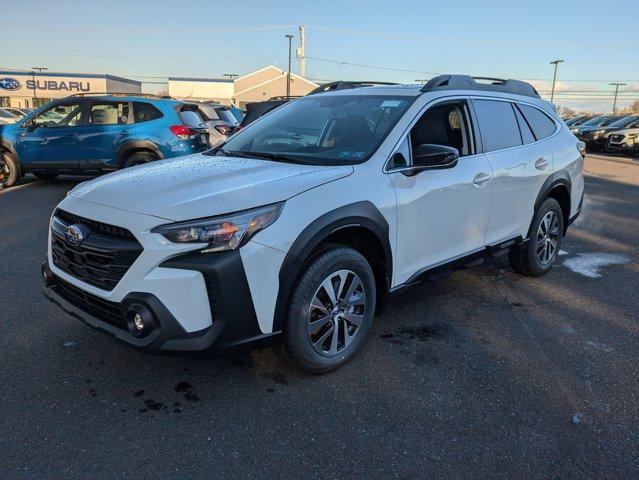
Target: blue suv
[(87, 134)]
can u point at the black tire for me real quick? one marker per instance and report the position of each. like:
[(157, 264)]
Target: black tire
[(47, 177), (526, 260), (298, 339), (138, 158), (9, 170)]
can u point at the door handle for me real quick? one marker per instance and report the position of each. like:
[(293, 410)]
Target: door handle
[(541, 163), (481, 179)]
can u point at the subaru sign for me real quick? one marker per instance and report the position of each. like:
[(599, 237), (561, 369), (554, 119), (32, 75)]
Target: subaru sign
[(7, 83)]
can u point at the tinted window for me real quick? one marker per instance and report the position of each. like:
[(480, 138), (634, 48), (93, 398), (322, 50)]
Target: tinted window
[(115, 113), (498, 125), (144, 112), (67, 115), (526, 134), (624, 122), (542, 126)]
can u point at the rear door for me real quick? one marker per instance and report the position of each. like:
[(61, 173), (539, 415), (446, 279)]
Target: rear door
[(49, 140), (107, 126), (520, 163)]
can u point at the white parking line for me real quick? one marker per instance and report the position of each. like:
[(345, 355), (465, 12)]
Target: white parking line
[(18, 187)]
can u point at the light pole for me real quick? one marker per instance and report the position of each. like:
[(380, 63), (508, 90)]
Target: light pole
[(554, 79), (288, 75), (614, 103), (33, 69)]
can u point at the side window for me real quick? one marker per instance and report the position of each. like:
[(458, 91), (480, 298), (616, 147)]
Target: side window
[(498, 124), (145, 112), (542, 126), (444, 124), (109, 113), (526, 133), (66, 115)]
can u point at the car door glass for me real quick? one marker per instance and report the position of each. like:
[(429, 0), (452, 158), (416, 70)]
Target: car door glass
[(498, 125), (66, 115), (109, 113), (145, 112), (526, 134), (444, 124), (542, 126)]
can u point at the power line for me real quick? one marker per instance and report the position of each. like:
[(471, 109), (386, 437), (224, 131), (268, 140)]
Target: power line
[(149, 29)]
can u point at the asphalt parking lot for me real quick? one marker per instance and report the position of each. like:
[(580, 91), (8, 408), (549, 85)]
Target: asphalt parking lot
[(480, 374)]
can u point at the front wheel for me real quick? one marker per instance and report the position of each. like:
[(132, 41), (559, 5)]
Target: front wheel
[(331, 310), (544, 241), (9, 171)]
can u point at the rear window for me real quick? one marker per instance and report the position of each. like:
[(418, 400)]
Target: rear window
[(228, 117), (191, 118), (526, 134), (498, 125), (542, 126), (145, 112)]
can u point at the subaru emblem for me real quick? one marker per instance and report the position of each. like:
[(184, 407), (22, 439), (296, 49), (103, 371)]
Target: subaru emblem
[(7, 83), (74, 235)]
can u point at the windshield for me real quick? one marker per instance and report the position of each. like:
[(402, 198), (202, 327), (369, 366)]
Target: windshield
[(323, 129), (595, 122), (624, 122)]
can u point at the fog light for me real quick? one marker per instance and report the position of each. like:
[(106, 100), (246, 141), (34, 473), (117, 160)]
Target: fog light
[(140, 320), (137, 321)]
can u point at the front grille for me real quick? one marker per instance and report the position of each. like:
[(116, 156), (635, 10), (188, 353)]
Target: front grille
[(101, 259), (109, 312)]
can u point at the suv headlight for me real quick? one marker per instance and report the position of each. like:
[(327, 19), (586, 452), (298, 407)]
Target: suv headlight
[(224, 232)]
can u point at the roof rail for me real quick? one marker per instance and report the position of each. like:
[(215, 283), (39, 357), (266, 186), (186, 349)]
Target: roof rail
[(284, 97), (120, 94), (344, 85), (466, 82)]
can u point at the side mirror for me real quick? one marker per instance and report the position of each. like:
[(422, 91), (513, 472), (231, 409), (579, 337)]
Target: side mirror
[(429, 156), (30, 125)]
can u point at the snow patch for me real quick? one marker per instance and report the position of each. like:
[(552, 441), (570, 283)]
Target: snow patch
[(589, 264)]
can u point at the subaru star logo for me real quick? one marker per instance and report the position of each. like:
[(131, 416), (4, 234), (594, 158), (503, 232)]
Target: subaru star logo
[(75, 234), (7, 83)]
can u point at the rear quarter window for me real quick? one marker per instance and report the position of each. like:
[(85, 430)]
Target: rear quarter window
[(540, 123), (145, 112)]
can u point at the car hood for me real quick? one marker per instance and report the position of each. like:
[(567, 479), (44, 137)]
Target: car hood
[(200, 186), (627, 131)]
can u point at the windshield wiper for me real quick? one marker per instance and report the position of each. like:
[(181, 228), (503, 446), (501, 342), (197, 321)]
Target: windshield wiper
[(277, 157)]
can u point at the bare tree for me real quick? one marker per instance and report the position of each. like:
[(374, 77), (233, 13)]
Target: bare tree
[(635, 106)]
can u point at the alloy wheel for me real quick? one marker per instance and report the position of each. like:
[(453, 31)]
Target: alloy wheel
[(336, 312), (548, 235), (4, 173)]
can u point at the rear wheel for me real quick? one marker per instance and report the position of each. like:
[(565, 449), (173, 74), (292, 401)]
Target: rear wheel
[(47, 177), (544, 241), (9, 170), (331, 311), (138, 158)]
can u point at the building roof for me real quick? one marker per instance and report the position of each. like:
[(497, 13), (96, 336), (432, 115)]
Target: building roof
[(77, 75), (194, 79)]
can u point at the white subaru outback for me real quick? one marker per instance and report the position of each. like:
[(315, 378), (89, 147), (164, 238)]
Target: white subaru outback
[(300, 225)]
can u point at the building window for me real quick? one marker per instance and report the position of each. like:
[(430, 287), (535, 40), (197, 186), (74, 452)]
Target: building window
[(38, 102), (4, 102)]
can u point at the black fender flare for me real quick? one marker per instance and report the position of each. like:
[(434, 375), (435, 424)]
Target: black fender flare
[(360, 214), (8, 146), (559, 178), (125, 148)]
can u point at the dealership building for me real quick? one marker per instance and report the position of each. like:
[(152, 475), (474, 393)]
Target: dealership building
[(260, 85), (32, 89)]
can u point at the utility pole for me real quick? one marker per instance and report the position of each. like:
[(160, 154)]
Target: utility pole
[(230, 75), (614, 103), (301, 52), (288, 74), (33, 69), (554, 79)]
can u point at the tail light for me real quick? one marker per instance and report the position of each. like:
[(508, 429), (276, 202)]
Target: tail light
[(224, 129), (183, 131)]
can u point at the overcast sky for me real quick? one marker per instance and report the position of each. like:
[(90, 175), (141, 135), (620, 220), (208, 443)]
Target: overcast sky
[(150, 40)]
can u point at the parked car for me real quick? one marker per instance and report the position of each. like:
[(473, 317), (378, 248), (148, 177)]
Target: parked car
[(298, 228), (7, 118), (19, 113), (94, 134), (255, 110), (582, 120), (220, 121), (625, 141), (595, 133)]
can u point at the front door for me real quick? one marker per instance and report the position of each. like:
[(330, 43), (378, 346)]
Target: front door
[(441, 214), (49, 140)]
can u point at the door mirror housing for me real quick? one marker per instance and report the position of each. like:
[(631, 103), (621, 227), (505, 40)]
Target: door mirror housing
[(430, 156)]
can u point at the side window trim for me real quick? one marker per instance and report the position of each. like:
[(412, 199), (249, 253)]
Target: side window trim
[(475, 138), (89, 107)]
